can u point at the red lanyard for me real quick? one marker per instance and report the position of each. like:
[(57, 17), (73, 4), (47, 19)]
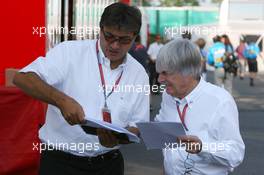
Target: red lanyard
[(182, 115), (102, 76)]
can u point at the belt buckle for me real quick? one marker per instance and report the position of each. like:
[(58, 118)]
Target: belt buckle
[(115, 155), (102, 157), (108, 156)]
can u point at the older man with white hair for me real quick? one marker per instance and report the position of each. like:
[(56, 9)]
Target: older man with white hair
[(213, 144)]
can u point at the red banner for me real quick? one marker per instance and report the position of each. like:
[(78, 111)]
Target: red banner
[(128, 2), (21, 117), (20, 42)]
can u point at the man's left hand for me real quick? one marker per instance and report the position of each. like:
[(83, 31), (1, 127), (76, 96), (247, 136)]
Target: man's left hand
[(107, 138), (193, 143), (132, 129)]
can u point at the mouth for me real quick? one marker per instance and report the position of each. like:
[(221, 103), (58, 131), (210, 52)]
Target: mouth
[(164, 84), (113, 52), (168, 87)]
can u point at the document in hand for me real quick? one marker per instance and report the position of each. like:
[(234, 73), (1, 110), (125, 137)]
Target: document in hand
[(156, 135), (90, 126)]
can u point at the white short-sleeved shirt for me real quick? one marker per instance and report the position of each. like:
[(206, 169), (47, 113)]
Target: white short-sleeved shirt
[(154, 49), (72, 67), (213, 117)]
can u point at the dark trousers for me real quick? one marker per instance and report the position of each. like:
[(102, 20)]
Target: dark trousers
[(61, 163)]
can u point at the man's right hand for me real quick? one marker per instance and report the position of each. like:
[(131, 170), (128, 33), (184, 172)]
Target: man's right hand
[(34, 86), (107, 138), (72, 111)]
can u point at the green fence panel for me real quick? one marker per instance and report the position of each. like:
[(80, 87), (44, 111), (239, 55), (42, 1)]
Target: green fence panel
[(152, 16), (202, 17), (161, 19), (171, 19)]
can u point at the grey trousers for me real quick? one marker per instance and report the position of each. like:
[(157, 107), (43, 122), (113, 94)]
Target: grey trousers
[(224, 80)]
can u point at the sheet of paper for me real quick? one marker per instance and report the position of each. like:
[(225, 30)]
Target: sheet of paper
[(93, 123), (156, 135)]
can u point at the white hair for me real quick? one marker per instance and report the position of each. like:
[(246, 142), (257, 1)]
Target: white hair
[(179, 56)]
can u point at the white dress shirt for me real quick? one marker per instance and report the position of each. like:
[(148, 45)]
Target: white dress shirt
[(72, 67), (213, 117), (154, 49)]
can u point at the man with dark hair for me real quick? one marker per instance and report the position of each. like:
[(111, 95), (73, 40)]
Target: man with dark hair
[(216, 39), (80, 80), (187, 35), (122, 17), (139, 52)]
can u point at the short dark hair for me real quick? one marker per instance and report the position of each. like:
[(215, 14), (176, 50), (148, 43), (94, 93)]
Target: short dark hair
[(122, 16), (201, 43), (217, 38), (187, 35)]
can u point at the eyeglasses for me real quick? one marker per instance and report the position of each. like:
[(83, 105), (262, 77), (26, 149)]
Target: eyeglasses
[(109, 37), (188, 165)]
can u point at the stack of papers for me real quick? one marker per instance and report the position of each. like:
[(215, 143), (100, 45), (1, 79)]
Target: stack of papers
[(90, 126), (156, 135)]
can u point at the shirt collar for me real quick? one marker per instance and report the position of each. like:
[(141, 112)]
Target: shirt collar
[(105, 61), (193, 95)]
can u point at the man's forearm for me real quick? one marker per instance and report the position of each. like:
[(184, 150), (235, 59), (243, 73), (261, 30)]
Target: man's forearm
[(34, 86)]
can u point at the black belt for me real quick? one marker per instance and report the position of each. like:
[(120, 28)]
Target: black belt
[(97, 159)]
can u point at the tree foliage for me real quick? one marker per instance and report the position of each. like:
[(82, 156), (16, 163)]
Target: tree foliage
[(180, 3), (217, 1)]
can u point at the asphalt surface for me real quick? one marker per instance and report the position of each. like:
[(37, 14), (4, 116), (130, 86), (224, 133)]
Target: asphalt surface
[(250, 102)]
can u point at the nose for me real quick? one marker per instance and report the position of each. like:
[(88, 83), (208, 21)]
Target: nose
[(115, 44), (161, 78)]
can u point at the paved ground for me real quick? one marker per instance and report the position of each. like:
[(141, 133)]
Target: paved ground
[(250, 101)]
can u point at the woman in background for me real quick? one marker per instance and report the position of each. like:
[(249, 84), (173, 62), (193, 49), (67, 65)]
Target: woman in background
[(229, 61)]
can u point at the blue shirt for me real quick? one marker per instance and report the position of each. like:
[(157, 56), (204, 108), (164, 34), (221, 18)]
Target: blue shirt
[(216, 54), (229, 49), (251, 52)]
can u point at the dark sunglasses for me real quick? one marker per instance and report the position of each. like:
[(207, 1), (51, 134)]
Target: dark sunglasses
[(109, 37)]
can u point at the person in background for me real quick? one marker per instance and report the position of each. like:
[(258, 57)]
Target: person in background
[(241, 59), (213, 144), (201, 44), (139, 52), (251, 53), (229, 63), (153, 51), (215, 57), (186, 34), (74, 79)]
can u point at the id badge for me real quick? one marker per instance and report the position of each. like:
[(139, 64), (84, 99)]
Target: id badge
[(106, 115)]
